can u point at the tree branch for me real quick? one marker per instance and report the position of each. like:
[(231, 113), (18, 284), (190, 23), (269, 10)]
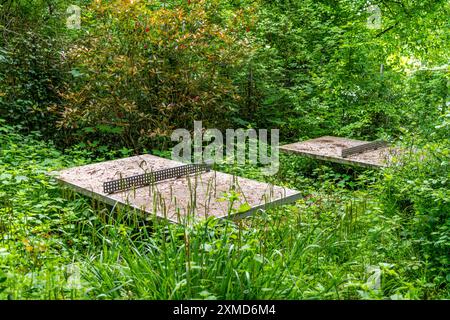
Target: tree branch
[(387, 30)]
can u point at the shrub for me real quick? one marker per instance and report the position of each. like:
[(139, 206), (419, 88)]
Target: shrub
[(142, 71), (31, 68)]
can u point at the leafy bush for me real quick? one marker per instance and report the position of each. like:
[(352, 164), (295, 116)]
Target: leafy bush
[(31, 67), (144, 70)]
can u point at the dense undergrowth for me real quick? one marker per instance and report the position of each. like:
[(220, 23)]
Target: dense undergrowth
[(338, 242), (136, 70)]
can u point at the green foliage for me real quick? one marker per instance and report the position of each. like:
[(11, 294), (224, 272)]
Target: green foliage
[(34, 219), (140, 72), (31, 68), (329, 245), (420, 191), (134, 72), (319, 70)]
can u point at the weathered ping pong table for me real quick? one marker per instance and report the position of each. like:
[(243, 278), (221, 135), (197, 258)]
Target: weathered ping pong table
[(373, 154), (172, 190)]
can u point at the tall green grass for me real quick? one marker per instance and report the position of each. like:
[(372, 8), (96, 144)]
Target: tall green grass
[(294, 252)]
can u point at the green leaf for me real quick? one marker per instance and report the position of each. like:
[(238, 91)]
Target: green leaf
[(75, 73), (244, 208), (3, 277)]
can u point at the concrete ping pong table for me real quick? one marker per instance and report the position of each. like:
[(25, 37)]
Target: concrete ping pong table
[(197, 195), (375, 154)]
